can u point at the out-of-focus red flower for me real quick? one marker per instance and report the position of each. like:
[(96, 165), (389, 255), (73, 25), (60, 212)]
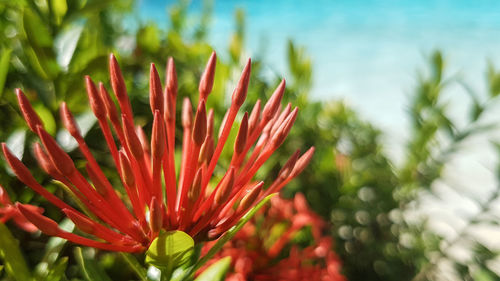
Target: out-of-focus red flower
[(8, 211), (187, 203), (265, 248)]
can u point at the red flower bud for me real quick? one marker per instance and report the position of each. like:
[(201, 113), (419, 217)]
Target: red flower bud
[(240, 92), (207, 79), (28, 112), (155, 90), (43, 223)]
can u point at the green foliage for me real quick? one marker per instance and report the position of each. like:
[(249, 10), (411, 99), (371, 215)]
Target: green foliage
[(216, 271), (89, 267), (11, 256)]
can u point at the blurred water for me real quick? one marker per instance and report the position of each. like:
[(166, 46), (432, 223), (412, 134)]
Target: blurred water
[(367, 52)]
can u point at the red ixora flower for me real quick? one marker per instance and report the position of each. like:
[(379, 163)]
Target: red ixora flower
[(187, 203), (265, 249)]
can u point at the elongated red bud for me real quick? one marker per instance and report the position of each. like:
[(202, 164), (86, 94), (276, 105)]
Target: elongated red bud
[(44, 161), (223, 124), (43, 223), (143, 139), (69, 121), (302, 162), (289, 165), (126, 169), (187, 113), (195, 190), (100, 187), (29, 114), (207, 79), (109, 105), (95, 99), (282, 132), (240, 92), (210, 123), (158, 136), (170, 90), (59, 158), (241, 138), (117, 81), (155, 90), (200, 124), (171, 78), (18, 167), (254, 119), (281, 118), (155, 215), (225, 188), (250, 197), (133, 142), (207, 150), (84, 224), (274, 102)]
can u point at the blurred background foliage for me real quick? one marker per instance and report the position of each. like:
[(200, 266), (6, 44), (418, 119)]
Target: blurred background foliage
[(47, 47)]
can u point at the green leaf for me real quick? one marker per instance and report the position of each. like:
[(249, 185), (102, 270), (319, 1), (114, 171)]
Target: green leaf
[(56, 272), (36, 30), (217, 271), (135, 265), (485, 275), (13, 260), (4, 67), (90, 268), (148, 38), (170, 250), (40, 48), (226, 237), (46, 117), (59, 8)]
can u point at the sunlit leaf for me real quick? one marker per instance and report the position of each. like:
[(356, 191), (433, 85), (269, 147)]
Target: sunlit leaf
[(66, 44), (16, 142), (47, 117), (171, 249), (216, 271), (59, 8)]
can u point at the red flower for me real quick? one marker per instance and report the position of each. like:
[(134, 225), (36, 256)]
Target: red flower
[(187, 203), (9, 211), (257, 254)]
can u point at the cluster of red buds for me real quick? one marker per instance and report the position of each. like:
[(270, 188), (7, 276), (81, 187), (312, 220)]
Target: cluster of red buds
[(190, 202), (258, 253)]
